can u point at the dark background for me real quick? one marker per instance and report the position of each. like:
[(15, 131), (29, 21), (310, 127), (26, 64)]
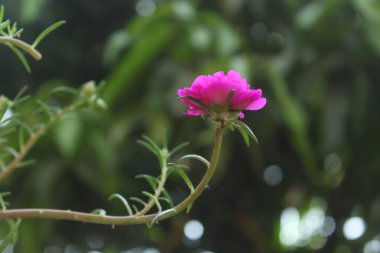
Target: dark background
[(317, 63)]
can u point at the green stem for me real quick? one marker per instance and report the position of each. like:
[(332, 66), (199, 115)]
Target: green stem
[(36, 136), (24, 46), (159, 189), (124, 220)]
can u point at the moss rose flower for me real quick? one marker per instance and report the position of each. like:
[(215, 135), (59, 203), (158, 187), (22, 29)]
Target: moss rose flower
[(221, 96)]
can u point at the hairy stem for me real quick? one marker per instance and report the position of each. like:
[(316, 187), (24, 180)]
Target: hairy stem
[(20, 44), (35, 137), (124, 220)]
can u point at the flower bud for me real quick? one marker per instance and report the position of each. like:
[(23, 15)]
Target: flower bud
[(88, 90)]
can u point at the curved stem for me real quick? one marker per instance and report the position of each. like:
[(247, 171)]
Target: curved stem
[(24, 46), (124, 220), (35, 136)]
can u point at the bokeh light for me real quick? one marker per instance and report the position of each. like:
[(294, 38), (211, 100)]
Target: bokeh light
[(372, 246), (333, 163), (71, 248), (193, 230), (309, 228), (273, 175), (141, 250), (354, 228), (145, 7)]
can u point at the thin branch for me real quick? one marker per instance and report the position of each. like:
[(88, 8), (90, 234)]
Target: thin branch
[(124, 220), (24, 46), (35, 137)]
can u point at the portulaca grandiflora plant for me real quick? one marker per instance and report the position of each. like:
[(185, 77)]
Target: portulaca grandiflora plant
[(219, 97)]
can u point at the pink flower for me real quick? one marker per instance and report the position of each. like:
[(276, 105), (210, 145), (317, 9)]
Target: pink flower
[(220, 96)]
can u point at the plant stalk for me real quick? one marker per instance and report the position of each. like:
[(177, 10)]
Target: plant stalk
[(20, 44), (124, 220), (36, 136)]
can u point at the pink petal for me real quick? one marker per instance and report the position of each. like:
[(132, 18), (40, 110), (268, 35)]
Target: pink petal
[(234, 75), (257, 104), (216, 92)]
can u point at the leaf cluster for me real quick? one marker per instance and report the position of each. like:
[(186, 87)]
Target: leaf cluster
[(24, 120), (10, 35), (158, 196)]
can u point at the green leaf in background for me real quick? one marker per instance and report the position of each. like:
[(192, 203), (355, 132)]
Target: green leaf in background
[(370, 11), (121, 79), (31, 9), (67, 134)]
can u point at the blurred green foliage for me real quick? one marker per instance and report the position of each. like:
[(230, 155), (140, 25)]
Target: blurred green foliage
[(317, 63)]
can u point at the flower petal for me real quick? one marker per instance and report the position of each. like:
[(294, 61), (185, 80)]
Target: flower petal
[(257, 104)]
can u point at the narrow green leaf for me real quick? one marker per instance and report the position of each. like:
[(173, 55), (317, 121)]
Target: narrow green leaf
[(25, 163), (11, 151), (66, 90), (23, 125), (152, 181), (101, 212), (21, 138), (178, 148), (196, 157), (247, 129), (45, 108), (188, 208), (198, 103), (160, 215), (230, 127), (152, 197), (1, 13), (165, 199), (13, 29), (135, 208), (20, 94), (167, 196), (12, 232), (21, 57), (149, 147), (3, 203), (228, 100), (4, 25), (46, 32), (7, 131), (138, 200), (123, 200), (152, 143), (243, 133), (18, 33), (183, 175)]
